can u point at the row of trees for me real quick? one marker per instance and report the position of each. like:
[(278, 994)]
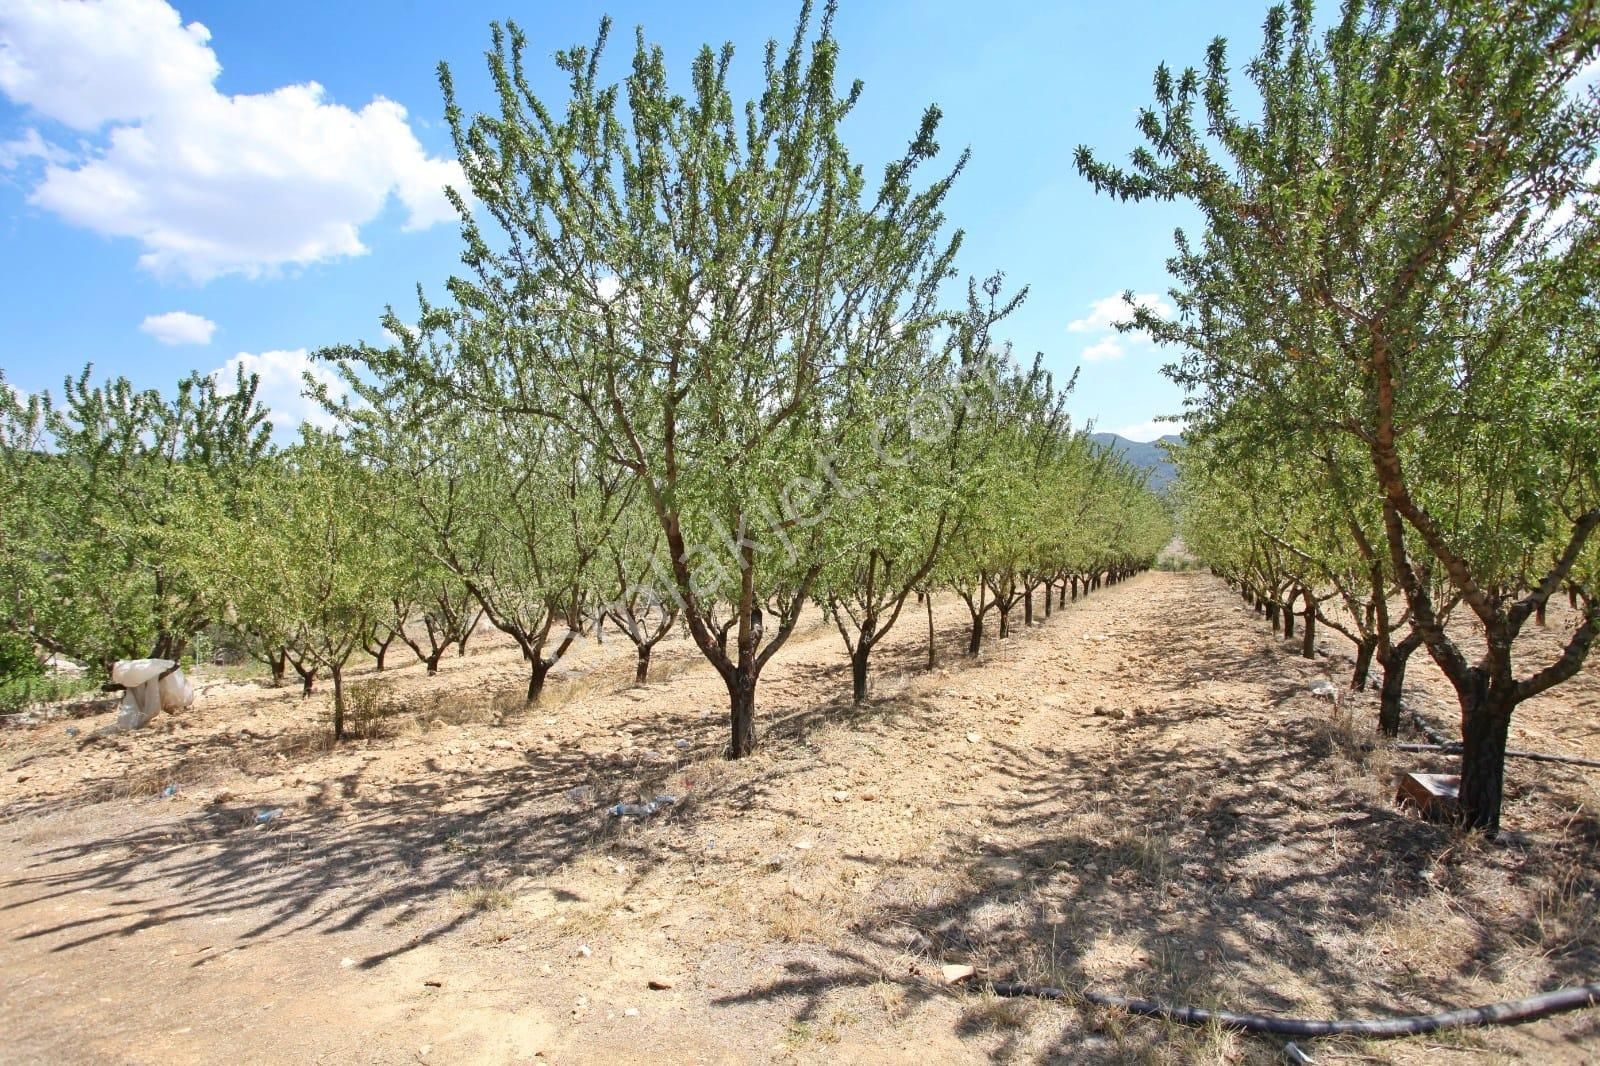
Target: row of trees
[(698, 374), (1391, 338), (132, 524)]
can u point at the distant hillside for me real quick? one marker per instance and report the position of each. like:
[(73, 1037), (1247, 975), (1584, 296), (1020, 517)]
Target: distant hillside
[(1149, 456)]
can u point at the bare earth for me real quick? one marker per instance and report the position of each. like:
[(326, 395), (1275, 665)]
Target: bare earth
[(451, 890)]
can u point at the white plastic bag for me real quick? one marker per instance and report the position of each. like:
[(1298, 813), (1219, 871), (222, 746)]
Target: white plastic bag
[(147, 693), (176, 692), (139, 704), (134, 672)]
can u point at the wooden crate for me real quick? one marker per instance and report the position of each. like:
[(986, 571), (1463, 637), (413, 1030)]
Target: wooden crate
[(1434, 795)]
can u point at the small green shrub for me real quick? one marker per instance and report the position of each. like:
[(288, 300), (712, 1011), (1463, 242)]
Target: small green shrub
[(17, 660), (20, 693)]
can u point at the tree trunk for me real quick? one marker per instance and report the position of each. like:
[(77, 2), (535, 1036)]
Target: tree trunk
[(338, 702), (1538, 613), (742, 716), (1364, 650), (1393, 689), (383, 651), (975, 641), (1308, 645), (1074, 588), (168, 646), (1287, 611), (1061, 595), (1027, 608), (858, 671), (433, 659), (641, 668), (1048, 591), (472, 627), (1485, 721), (1272, 614), (1005, 624), (276, 665), (932, 655), (307, 676), (536, 676)]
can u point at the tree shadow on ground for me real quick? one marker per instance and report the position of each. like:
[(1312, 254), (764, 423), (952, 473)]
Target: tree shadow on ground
[(1263, 869)]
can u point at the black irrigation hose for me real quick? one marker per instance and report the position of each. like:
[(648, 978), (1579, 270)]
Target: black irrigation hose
[(1438, 742), (1433, 735), (1509, 1013), (1511, 753)]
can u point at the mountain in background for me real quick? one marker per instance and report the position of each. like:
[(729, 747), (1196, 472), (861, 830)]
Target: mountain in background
[(1147, 456)]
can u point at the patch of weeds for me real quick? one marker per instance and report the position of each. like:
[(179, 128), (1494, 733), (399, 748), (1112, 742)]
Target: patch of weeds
[(989, 1011), (798, 1034), (890, 998), (1145, 850), (483, 897)]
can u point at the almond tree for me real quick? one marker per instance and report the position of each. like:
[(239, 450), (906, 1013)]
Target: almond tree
[(908, 430), (301, 556), (124, 489), (685, 282), (1401, 252), (516, 508), (633, 559)]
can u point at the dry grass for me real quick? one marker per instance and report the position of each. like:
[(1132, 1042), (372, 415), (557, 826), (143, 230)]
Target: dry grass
[(799, 1035), (1145, 850), (989, 1011), (484, 896)]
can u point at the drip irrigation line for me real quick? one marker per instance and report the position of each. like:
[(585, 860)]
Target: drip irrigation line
[(1438, 742), (1511, 753), (1433, 735), (1513, 1012)]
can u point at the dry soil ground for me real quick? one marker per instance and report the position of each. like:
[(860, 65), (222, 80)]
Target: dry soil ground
[(451, 889)]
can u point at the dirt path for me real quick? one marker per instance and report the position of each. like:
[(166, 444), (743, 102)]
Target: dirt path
[(454, 892)]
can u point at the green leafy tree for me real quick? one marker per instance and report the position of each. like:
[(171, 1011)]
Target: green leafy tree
[(1400, 251), (689, 285), (122, 493), (302, 557), (908, 425)]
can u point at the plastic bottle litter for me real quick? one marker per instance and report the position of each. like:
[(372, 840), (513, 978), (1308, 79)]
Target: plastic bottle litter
[(263, 817), (641, 810), (168, 792), (681, 745), (72, 730)]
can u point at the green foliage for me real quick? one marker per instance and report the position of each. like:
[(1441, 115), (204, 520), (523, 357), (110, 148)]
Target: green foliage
[(17, 659), (1393, 297), (114, 496), (301, 564), (21, 693)]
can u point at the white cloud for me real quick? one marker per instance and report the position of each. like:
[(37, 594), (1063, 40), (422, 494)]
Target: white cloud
[(208, 183), (1149, 430), (1104, 350), (1107, 343), (282, 387), (179, 327), (29, 146), (1108, 311)]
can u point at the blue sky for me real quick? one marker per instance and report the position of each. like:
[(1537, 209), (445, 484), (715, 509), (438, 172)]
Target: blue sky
[(175, 195)]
